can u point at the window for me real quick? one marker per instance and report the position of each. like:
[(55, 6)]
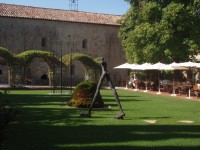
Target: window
[(84, 44), (44, 42), (72, 69)]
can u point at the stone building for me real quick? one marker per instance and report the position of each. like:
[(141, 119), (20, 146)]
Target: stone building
[(61, 31)]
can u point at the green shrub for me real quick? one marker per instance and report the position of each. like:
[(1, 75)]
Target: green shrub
[(83, 95)]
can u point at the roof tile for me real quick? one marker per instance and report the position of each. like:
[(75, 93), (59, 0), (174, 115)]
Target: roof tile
[(19, 11)]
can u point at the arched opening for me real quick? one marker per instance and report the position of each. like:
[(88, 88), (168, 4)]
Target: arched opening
[(2, 70), (90, 68), (6, 61), (44, 77), (38, 70)]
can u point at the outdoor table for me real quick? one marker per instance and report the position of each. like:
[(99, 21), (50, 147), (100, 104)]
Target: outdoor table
[(167, 87)]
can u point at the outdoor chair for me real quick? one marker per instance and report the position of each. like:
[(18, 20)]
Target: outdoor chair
[(182, 90), (196, 90)]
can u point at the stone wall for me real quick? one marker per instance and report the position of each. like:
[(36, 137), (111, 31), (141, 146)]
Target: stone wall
[(18, 35)]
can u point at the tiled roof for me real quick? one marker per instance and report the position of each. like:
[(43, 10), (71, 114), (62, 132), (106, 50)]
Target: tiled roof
[(18, 11)]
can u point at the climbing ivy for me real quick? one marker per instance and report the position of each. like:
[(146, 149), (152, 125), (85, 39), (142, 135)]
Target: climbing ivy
[(23, 59), (7, 56), (92, 66), (26, 57)]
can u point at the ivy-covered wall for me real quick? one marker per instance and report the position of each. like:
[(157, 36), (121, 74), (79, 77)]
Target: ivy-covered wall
[(19, 64)]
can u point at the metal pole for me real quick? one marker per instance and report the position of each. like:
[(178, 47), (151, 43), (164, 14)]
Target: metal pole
[(53, 72), (71, 70), (24, 80), (61, 71)]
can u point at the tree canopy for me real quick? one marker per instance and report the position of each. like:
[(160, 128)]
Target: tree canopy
[(161, 30)]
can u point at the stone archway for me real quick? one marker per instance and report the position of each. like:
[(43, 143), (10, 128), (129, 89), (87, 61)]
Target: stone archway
[(17, 64), (28, 57), (7, 62), (7, 56), (92, 68)]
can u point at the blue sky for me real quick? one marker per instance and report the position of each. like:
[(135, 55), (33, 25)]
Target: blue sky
[(117, 7)]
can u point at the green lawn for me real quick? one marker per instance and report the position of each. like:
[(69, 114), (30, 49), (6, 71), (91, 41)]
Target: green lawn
[(44, 122)]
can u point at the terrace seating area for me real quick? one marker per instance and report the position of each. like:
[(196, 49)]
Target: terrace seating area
[(169, 87), (186, 77)]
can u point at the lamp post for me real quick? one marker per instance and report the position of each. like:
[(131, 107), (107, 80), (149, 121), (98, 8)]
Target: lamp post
[(54, 48), (61, 71), (53, 73), (71, 70), (56, 44), (70, 62), (24, 70)]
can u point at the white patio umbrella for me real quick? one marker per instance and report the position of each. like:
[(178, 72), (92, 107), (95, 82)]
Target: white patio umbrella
[(124, 66), (176, 66), (159, 66), (189, 65), (198, 66), (136, 67), (145, 66)]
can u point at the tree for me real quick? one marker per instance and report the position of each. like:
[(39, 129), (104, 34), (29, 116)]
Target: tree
[(161, 30)]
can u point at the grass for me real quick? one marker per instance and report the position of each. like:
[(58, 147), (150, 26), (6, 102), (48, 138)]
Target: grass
[(46, 123)]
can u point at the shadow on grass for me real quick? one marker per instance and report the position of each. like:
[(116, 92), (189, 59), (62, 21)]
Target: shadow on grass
[(46, 137), (36, 99), (123, 99), (45, 125), (154, 117)]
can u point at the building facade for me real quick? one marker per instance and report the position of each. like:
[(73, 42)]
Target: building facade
[(62, 32)]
